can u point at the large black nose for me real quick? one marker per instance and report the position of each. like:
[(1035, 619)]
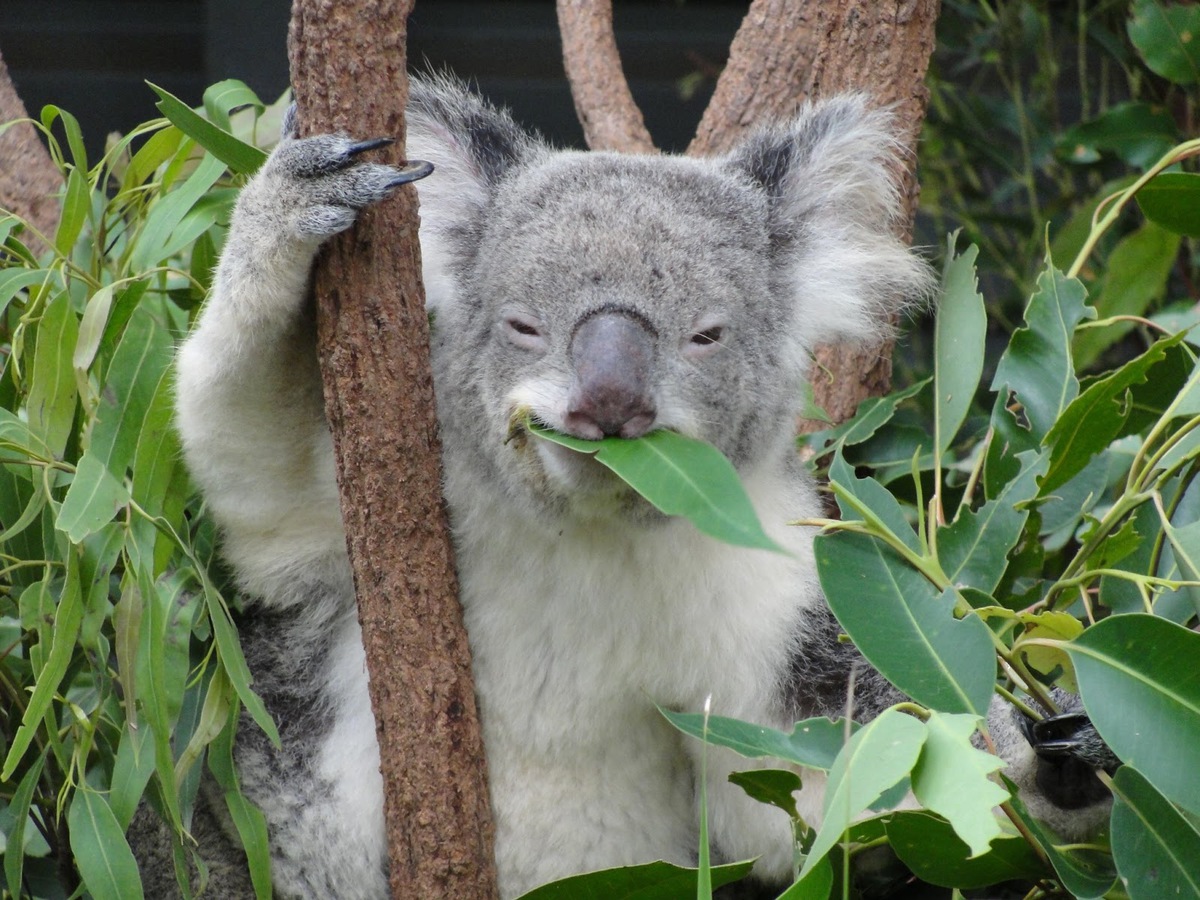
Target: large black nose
[(612, 355)]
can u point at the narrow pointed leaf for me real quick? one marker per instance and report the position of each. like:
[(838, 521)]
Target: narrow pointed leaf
[(652, 881), (52, 393), (814, 743), (958, 344), (94, 497), (101, 852), (680, 476), (241, 157)]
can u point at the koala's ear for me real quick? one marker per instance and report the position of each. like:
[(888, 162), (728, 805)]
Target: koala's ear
[(472, 145), (831, 180)]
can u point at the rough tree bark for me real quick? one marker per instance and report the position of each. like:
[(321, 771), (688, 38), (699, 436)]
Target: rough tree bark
[(29, 180), (606, 109), (784, 53), (348, 72)]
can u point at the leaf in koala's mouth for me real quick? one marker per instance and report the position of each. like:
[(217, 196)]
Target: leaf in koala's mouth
[(679, 476)]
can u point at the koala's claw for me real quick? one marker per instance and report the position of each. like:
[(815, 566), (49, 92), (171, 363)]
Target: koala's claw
[(413, 170)]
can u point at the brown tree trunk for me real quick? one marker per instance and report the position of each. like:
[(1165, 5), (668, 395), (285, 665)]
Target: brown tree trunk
[(29, 180), (786, 52), (348, 72), (610, 118)]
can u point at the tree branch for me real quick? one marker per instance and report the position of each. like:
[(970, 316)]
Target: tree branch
[(348, 72), (29, 181), (603, 102)]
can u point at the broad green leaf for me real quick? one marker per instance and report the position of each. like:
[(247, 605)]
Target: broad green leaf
[(1172, 200), (1097, 416), (951, 779), (772, 786), (67, 618), (1050, 661), (973, 549), (1037, 365), (77, 204), (1009, 440), (680, 476), (813, 742), (930, 847), (52, 393), (1168, 38), (1185, 542), (1136, 276), (241, 157), (904, 626), (958, 344), (22, 797), (101, 852), (652, 881), (866, 498), (1141, 686), (143, 355), (1087, 875), (1137, 133), (95, 496), (131, 771), (877, 758), (1156, 849)]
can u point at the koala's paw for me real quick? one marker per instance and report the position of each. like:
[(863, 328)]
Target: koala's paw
[(323, 184), (1069, 752)]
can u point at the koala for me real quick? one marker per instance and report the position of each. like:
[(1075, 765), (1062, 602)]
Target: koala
[(605, 294)]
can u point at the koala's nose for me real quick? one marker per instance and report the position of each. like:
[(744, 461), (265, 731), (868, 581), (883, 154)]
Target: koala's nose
[(612, 355)]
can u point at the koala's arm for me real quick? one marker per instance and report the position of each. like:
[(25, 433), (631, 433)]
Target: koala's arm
[(249, 407)]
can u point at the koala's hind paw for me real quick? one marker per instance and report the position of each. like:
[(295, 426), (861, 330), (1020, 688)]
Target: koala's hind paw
[(1069, 751), (326, 185)]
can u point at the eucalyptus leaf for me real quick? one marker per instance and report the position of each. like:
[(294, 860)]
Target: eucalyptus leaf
[(929, 846), (958, 343), (813, 742), (1037, 365), (1141, 686), (904, 626), (241, 157), (679, 476), (1165, 36), (652, 881), (1172, 201), (95, 496), (52, 392), (1157, 850), (101, 852)]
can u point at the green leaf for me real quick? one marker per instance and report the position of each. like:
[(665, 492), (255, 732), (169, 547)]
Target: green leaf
[(1037, 365), (52, 393), (67, 618), (1088, 876), (18, 807), (1098, 416), (877, 758), (973, 549), (140, 359), (871, 415), (1185, 542), (239, 156), (224, 97), (1168, 39), (904, 627), (94, 497), (958, 344), (51, 113), (929, 846), (866, 498), (1156, 849), (680, 476), (15, 280), (1172, 200), (248, 819), (1138, 133), (771, 786), (77, 204), (816, 885), (1136, 276), (951, 779), (101, 852), (169, 211), (230, 653), (814, 743), (653, 881), (1141, 687), (131, 771)]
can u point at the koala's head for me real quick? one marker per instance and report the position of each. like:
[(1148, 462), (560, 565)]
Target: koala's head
[(608, 294)]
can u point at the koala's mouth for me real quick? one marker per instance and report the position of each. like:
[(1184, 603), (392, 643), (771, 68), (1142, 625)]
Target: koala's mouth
[(565, 470)]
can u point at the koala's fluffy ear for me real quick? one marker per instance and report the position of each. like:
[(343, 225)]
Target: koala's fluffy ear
[(472, 145), (831, 179)]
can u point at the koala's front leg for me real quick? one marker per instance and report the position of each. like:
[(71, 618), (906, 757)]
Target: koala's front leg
[(249, 405)]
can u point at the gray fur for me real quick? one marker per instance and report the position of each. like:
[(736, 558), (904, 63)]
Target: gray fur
[(709, 281)]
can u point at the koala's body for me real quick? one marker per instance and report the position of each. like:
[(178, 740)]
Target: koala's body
[(607, 295)]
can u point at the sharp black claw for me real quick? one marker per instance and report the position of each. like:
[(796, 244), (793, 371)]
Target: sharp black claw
[(413, 170), (363, 146)]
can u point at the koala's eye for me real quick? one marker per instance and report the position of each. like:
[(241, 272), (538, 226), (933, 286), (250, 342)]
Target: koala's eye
[(708, 336), (524, 331)]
